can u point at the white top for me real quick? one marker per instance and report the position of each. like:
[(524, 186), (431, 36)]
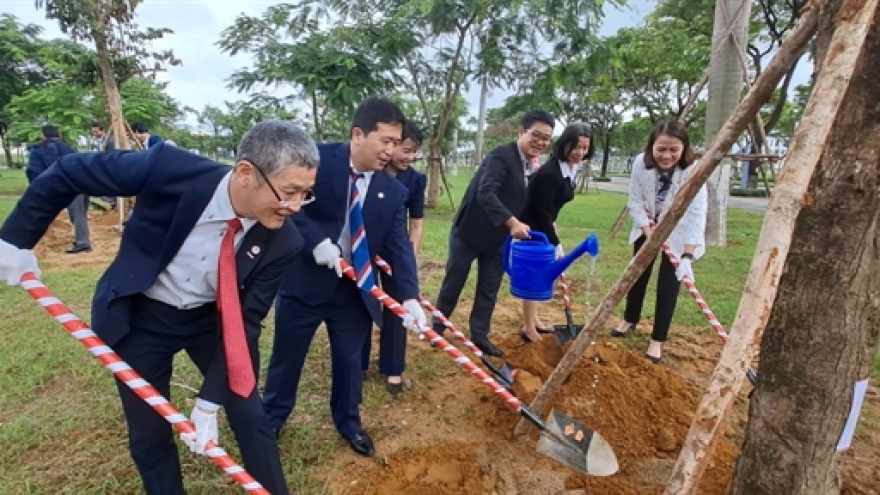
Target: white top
[(190, 279), (363, 184), (690, 229), (569, 172)]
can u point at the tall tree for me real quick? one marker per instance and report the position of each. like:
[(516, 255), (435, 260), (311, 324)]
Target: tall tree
[(18, 46), (812, 354), (110, 26)]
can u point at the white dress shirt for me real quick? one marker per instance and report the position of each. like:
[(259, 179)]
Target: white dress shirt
[(190, 279), (569, 172), (363, 185)]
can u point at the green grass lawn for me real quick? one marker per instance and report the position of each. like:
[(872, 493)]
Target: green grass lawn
[(62, 429)]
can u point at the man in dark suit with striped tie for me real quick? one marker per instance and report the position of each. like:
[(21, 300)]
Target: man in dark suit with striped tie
[(359, 211), (198, 266)]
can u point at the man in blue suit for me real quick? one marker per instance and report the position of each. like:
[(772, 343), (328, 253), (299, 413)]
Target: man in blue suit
[(392, 339), (196, 221), (312, 291), (142, 134)]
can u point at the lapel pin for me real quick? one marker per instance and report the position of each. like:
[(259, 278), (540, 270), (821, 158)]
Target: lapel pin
[(250, 255), (255, 250), (381, 195)]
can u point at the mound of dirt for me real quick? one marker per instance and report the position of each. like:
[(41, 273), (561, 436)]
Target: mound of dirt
[(641, 409)]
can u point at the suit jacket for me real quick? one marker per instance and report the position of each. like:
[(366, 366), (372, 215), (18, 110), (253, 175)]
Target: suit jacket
[(45, 153), (548, 192), (384, 220), (172, 187), (641, 204), (153, 140), (496, 193)]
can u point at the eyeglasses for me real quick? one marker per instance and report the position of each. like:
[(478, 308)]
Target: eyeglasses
[(307, 197), (541, 138)]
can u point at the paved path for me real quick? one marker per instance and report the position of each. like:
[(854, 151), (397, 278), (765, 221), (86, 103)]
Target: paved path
[(621, 185)]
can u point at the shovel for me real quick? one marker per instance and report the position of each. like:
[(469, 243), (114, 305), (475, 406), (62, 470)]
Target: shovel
[(503, 375), (568, 332), (562, 438)]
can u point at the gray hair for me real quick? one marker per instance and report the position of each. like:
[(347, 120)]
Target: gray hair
[(274, 145)]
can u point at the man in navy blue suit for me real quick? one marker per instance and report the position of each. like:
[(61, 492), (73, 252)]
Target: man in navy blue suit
[(142, 134), (312, 291), (196, 221), (392, 339)]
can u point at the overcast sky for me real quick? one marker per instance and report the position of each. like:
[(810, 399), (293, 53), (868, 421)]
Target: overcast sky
[(197, 24)]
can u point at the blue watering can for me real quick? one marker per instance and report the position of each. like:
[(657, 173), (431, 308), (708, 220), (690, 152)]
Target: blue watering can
[(533, 267)]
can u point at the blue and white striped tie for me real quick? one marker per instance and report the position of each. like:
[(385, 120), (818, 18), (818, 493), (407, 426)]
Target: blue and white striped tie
[(360, 253)]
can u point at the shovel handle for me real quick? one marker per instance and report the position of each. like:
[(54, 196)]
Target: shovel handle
[(453, 352), (126, 374)]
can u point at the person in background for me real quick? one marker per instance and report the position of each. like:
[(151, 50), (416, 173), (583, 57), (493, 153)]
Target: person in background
[(359, 212), (656, 177), (392, 338), (489, 212), (550, 188), (197, 269), (44, 154), (142, 134), (101, 143)]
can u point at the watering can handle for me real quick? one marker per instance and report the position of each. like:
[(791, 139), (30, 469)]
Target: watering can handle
[(505, 254), (535, 234)]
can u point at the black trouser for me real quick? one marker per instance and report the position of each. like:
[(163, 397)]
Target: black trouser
[(667, 295), (489, 275), (158, 332)]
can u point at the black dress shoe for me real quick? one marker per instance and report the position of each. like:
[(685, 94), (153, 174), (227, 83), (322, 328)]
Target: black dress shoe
[(362, 444), (525, 338), (619, 335), (394, 388), (545, 330), (488, 348), (79, 249)]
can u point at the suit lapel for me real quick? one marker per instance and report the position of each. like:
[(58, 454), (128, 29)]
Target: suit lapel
[(189, 209), (341, 183), (251, 250)]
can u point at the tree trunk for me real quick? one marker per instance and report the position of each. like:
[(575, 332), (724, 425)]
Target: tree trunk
[(725, 88), (435, 161), (606, 150), (319, 129), (813, 353), (8, 152)]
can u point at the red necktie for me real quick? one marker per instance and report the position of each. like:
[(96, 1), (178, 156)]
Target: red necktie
[(238, 357)]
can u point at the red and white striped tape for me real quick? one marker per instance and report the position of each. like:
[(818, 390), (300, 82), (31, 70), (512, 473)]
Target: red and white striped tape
[(103, 353), (692, 289)]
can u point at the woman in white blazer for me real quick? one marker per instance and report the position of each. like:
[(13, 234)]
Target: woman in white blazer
[(656, 177)]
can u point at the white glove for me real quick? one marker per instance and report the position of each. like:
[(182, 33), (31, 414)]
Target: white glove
[(559, 251), (684, 270), (326, 253), (15, 262), (204, 419), (415, 320)]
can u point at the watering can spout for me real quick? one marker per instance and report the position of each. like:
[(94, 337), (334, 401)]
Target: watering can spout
[(589, 246)]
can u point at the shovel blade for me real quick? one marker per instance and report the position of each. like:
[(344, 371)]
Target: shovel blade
[(573, 444), (503, 375), (565, 333)]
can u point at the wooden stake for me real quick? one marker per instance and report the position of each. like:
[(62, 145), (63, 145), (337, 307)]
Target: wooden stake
[(774, 242), (747, 108)]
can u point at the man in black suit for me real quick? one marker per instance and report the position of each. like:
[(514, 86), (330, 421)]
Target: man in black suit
[(487, 215), (203, 234)]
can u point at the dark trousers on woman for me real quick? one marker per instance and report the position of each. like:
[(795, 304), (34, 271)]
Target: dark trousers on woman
[(392, 338), (667, 295)]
